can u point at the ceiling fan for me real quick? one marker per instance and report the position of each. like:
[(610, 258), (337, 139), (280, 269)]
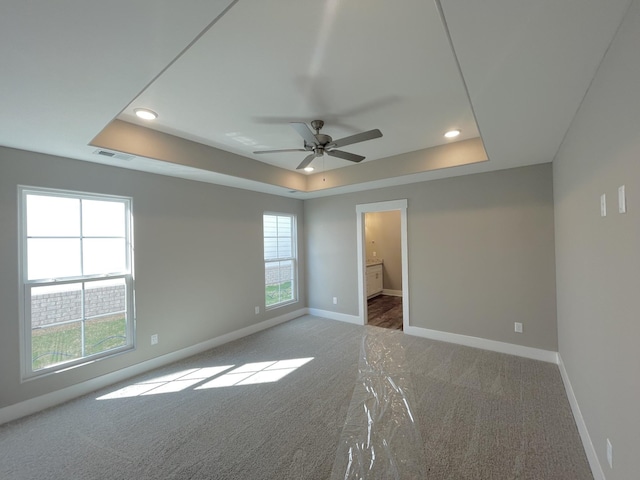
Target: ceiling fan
[(319, 143)]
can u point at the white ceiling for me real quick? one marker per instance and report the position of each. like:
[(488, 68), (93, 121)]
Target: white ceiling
[(232, 74), (356, 65)]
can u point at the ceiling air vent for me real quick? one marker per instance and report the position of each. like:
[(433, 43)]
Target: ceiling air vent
[(116, 155)]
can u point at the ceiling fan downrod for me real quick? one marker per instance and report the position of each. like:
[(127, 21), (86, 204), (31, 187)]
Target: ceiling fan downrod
[(317, 125)]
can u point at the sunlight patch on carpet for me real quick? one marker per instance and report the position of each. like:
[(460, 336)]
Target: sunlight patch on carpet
[(253, 373), (215, 377)]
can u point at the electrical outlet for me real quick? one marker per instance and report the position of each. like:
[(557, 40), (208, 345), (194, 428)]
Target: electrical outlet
[(622, 200), (609, 453), (257, 310), (335, 300), (518, 327), (154, 339)]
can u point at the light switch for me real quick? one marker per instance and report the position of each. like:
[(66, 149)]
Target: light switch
[(622, 200), (603, 205)]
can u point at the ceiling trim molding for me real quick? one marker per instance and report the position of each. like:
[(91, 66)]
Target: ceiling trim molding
[(136, 140), (140, 141), (456, 154)]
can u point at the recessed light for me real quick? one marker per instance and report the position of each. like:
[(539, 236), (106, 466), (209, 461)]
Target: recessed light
[(145, 113), (308, 169), (452, 133)]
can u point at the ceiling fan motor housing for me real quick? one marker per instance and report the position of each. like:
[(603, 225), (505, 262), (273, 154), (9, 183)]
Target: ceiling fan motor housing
[(319, 143), (323, 139)]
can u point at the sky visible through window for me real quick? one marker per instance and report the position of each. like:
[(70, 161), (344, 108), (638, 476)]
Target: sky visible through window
[(71, 237)]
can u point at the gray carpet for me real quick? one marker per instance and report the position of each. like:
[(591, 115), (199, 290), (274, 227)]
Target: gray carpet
[(479, 414)]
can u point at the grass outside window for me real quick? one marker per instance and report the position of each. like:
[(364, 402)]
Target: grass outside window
[(278, 293), (56, 344)]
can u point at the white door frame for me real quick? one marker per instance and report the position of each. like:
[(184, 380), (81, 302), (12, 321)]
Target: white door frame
[(391, 205)]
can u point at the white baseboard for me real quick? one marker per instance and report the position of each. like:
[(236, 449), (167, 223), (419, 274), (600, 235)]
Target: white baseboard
[(33, 405), (342, 317), (592, 456), (392, 293), (485, 344)]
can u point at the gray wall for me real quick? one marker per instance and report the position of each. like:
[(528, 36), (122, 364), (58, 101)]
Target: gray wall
[(382, 235), (481, 254), (598, 258), (198, 260)]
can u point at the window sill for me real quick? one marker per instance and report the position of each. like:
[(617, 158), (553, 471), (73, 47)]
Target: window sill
[(280, 305)]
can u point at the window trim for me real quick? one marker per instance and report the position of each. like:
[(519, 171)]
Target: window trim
[(25, 285), (293, 258)]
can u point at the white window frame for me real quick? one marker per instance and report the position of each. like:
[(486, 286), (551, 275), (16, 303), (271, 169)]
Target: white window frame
[(293, 259), (26, 363)]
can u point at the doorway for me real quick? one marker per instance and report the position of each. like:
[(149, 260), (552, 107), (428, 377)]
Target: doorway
[(383, 276), (371, 261)]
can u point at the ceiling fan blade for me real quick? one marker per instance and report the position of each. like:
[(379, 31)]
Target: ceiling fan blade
[(305, 132), (345, 155), (281, 151), (358, 137), (306, 161)]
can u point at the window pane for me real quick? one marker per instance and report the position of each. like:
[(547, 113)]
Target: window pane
[(55, 304), (104, 255), (284, 248), (284, 226), (270, 248), (105, 297), (286, 272), (56, 344), (103, 219), (278, 282), (49, 216), (53, 258), (105, 333), (270, 225), (53, 339)]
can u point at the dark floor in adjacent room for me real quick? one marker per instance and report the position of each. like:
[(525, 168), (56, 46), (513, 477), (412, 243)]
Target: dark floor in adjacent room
[(385, 311)]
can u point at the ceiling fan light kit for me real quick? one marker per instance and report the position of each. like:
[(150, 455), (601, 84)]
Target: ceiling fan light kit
[(319, 143)]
